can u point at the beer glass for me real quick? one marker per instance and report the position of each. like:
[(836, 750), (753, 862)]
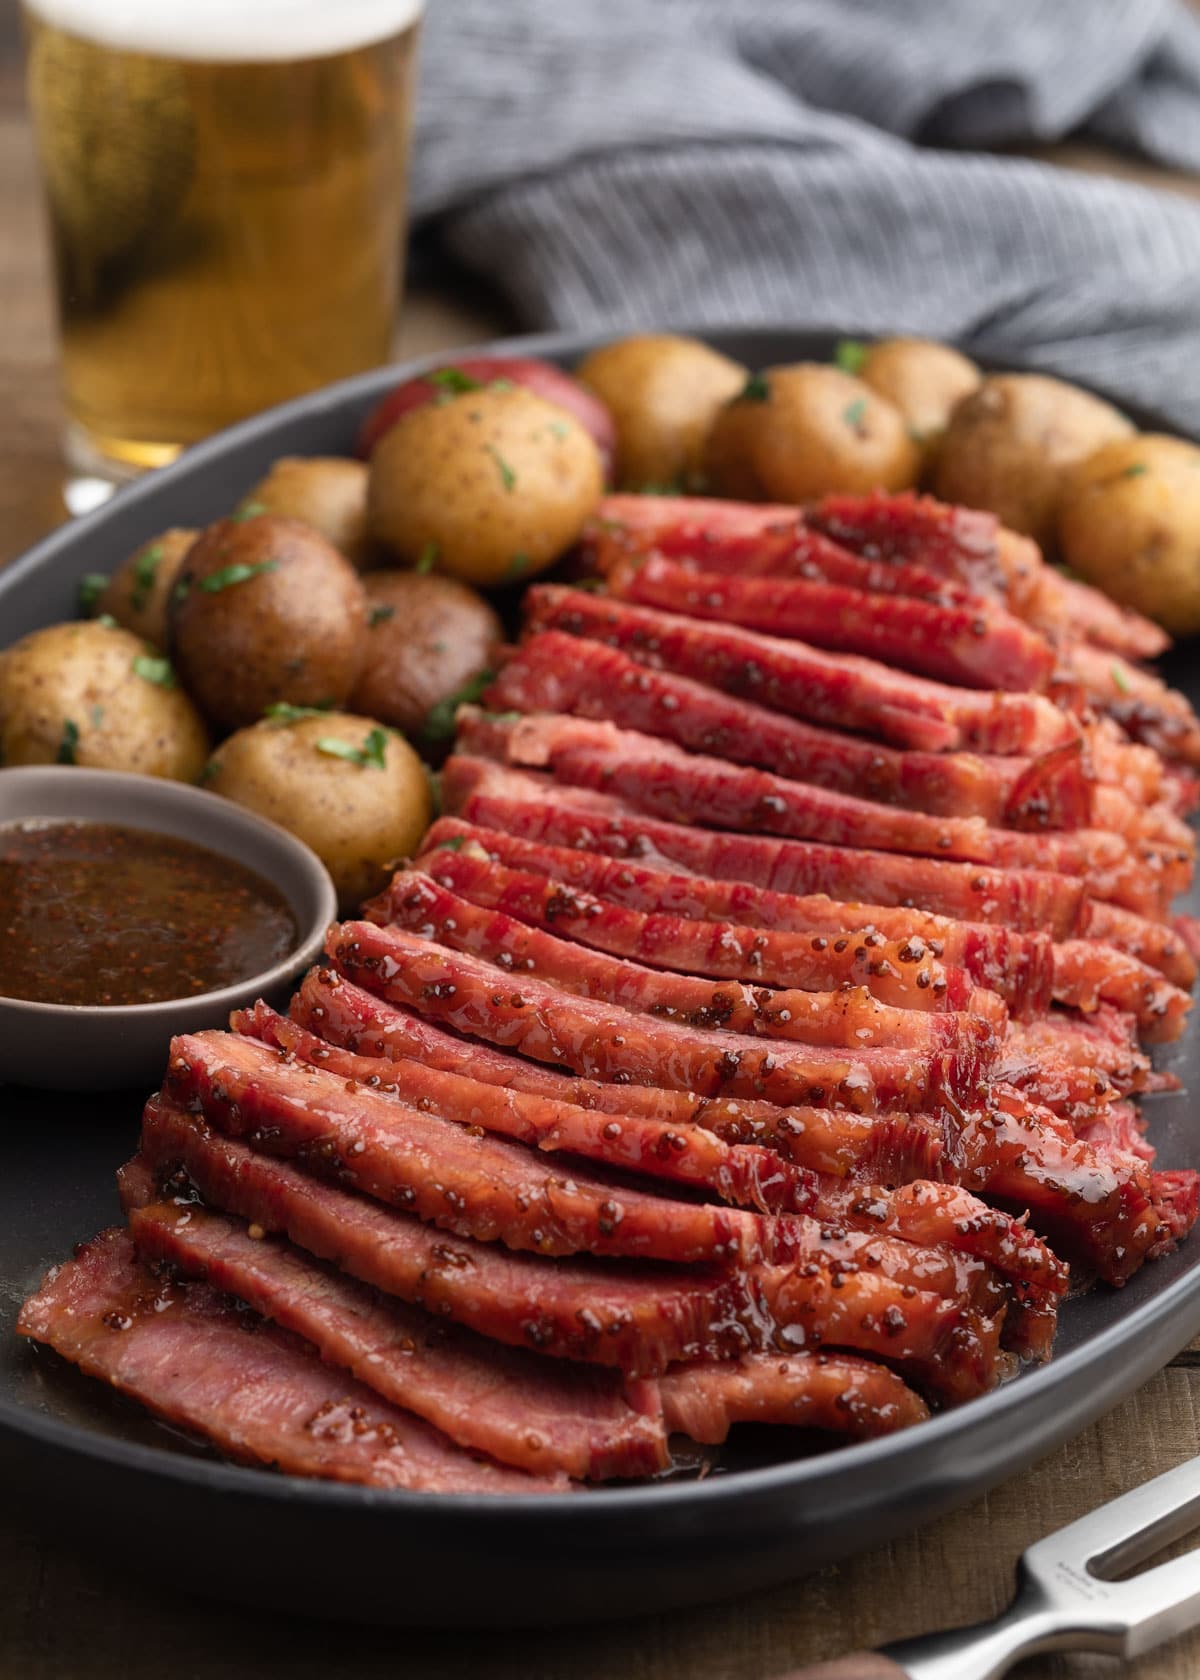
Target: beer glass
[(225, 182)]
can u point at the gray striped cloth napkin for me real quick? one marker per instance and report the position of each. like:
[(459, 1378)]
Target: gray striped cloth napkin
[(620, 163)]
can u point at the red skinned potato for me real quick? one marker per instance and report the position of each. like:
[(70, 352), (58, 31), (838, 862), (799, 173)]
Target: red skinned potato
[(543, 379)]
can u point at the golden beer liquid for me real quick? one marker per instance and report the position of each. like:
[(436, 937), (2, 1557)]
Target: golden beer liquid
[(226, 234)]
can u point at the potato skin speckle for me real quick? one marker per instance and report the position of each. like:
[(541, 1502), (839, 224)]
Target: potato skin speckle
[(664, 392), (328, 492), (815, 430), (139, 591), (1129, 522), (427, 636), (70, 693), (494, 485), (1009, 445), (358, 818), (294, 631)]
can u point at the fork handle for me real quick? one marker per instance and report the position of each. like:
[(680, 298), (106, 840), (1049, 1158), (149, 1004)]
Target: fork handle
[(859, 1665)]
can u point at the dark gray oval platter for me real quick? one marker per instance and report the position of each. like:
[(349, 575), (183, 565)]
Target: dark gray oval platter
[(90, 1465)]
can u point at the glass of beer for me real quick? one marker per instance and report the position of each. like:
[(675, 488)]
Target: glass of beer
[(226, 190)]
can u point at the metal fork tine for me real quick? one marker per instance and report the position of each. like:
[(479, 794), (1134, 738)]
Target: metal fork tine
[(1134, 1526), (1168, 1594)]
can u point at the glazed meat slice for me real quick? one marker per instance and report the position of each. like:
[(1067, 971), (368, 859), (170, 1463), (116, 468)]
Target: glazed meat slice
[(553, 672), (473, 1185), (1024, 1156), (549, 1417), (603, 1041), (875, 1149), (1135, 698), (1018, 967), (745, 1174), (977, 644), (931, 1216), (971, 546), (258, 1392), (546, 1416), (1088, 974), (849, 1018), (832, 1391), (841, 691), (639, 1317), (666, 783), (363, 1139), (950, 542), (902, 972), (528, 807)]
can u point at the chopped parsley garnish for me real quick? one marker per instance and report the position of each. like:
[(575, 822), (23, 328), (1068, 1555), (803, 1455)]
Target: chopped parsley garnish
[(559, 428), (517, 566), (97, 716), (756, 389), (850, 354), (239, 572), (454, 381), (180, 591), (373, 751), (144, 568), (155, 670), (249, 510), (106, 621), (453, 843), (1120, 680), (427, 559), (854, 413), (91, 586), (67, 742), (282, 711), (671, 487), (439, 720), (1134, 470), (209, 771), (379, 615), (507, 476), (593, 585)]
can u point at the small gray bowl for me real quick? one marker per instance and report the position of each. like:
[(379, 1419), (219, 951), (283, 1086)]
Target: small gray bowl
[(66, 1047)]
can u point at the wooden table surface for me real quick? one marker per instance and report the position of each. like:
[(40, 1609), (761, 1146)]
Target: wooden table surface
[(70, 1612)]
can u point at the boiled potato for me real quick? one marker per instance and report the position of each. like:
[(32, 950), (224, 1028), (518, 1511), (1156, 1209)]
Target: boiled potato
[(94, 694), (1129, 522), (266, 609), (489, 487), (427, 638), (1009, 444), (352, 790), (923, 380), (327, 492), (801, 431), (663, 393), (139, 590)]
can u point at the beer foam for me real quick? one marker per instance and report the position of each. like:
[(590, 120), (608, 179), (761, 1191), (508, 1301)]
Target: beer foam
[(228, 31)]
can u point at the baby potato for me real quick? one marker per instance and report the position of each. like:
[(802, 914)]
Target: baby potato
[(427, 637), (328, 492), (137, 593), (96, 695), (490, 486), (663, 392), (352, 790), (1129, 522), (1008, 446), (266, 609), (923, 380), (803, 430)]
